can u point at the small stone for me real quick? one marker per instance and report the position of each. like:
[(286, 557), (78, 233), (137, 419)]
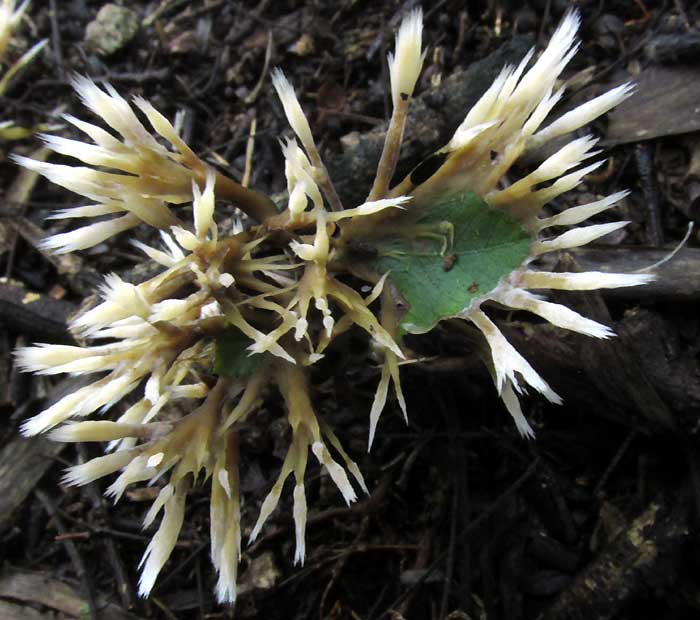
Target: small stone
[(350, 140), (111, 30), (304, 46), (262, 573)]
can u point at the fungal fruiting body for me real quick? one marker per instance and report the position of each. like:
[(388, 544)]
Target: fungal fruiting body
[(231, 318)]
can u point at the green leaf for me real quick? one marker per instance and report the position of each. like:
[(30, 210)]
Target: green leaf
[(439, 280), (232, 358)]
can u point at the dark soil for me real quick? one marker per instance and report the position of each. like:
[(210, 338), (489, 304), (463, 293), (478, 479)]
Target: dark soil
[(594, 519)]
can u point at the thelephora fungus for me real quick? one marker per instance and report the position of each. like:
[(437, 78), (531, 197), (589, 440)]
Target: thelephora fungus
[(232, 320)]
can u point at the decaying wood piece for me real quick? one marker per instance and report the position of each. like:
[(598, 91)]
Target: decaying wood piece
[(671, 48), (668, 361), (665, 104), (24, 461), (39, 316), (12, 611), (621, 571), (40, 589)]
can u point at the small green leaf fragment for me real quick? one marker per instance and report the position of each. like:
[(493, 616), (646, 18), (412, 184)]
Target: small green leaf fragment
[(457, 252), (232, 358)]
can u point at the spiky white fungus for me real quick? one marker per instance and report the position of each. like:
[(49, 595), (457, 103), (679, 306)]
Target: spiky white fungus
[(272, 290)]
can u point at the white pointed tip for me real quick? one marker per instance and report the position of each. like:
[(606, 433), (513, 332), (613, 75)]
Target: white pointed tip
[(203, 205), (637, 279), (372, 432), (526, 432), (146, 583), (254, 534), (572, 20), (280, 81), (299, 513), (292, 108), (224, 595), (552, 396), (336, 472), (28, 162), (32, 427), (81, 83), (406, 62)]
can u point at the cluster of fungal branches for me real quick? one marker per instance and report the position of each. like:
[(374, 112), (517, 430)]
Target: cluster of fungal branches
[(233, 320)]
